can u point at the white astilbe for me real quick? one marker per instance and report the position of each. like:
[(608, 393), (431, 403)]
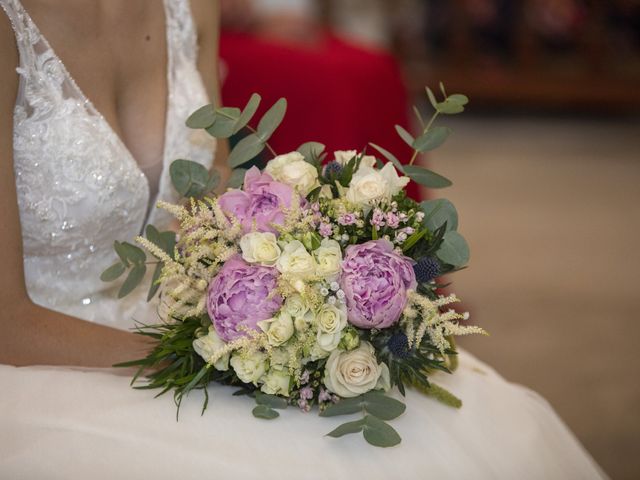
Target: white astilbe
[(423, 317)]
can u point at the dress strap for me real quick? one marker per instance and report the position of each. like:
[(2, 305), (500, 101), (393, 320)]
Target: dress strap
[(27, 35), (182, 38)]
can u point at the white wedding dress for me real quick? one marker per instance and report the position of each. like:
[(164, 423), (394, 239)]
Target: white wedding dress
[(79, 189)]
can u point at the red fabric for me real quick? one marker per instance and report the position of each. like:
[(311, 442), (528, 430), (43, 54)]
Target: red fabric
[(338, 94)]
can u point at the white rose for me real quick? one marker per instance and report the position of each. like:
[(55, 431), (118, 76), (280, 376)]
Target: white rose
[(352, 373), (328, 258), (295, 306), (328, 342), (343, 157), (331, 319), (296, 261), (279, 358), (208, 346), (276, 382), (260, 247), (369, 186), (293, 170), (249, 368), (325, 192), (278, 329)]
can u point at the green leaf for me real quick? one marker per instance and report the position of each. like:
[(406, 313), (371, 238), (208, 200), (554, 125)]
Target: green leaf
[(155, 285), (272, 401), (453, 249), (346, 406), (272, 119), (458, 98), (153, 235), (245, 150), (379, 433), (129, 253), (113, 272), (418, 116), (237, 178), (389, 156), (449, 108), (426, 177), (265, 412), (432, 139), (311, 151), (202, 118), (249, 111), (133, 280), (444, 92), (189, 178), (168, 243), (406, 136), (347, 428), (439, 211), (386, 408), (214, 179), (432, 98), (225, 123)]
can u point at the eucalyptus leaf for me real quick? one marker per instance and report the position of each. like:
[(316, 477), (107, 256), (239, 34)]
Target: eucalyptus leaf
[(453, 249), (247, 114), (214, 180), (379, 433), (189, 178), (418, 116), (346, 406), (432, 139), (406, 136), (272, 401), (439, 211), (245, 150), (236, 179), (130, 252), (153, 235), (117, 246), (272, 119), (444, 92), (458, 98), (381, 406), (389, 156), (347, 428), (449, 108), (265, 412), (224, 126), (426, 177), (155, 285), (432, 98), (202, 118), (133, 280), (168, 243), (113, 272), (311, 151)]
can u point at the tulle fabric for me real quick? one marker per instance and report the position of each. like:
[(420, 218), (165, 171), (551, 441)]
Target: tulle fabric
[(61, 423)]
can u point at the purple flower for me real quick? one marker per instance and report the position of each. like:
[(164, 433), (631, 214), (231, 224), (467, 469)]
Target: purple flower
[(375, 280), (324, 395), (393, 220), (347, 219), (306, 393), (377, 219), (261, 203), (325, 229), (239, 297)]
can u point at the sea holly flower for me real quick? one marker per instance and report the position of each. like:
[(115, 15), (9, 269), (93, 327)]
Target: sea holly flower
[(375, 280)]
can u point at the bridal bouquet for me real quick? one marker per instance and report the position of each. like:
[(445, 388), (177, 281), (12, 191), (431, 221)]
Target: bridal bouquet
[(312, 282)]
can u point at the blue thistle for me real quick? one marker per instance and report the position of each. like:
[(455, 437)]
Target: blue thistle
[(398, 345), (426, 269), (333, 168)]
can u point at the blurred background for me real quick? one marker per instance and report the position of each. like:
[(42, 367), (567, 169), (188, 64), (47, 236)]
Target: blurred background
[(545, 164)]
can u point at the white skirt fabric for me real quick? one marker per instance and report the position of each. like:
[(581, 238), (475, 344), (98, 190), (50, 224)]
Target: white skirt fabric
[(61, 423)]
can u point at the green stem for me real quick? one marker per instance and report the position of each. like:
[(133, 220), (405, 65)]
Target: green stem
[(251, 129), (426, 129)]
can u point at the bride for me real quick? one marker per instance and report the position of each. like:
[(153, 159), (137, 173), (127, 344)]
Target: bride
[(88, 126)]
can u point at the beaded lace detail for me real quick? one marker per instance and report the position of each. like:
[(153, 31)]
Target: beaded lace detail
[(78, 186)]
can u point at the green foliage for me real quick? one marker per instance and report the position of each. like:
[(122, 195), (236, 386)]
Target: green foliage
[(265, 412), (454, 249), (246, 150), (311, 151), (376, 407), (202, 118), (389, 156), (406, 136), (426, 177), (439, 211), (272, 119), (237, 178), (191, 179), (431, 139), (271, 401)]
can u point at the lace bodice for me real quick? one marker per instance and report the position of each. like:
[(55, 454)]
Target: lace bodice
[(78, 186)]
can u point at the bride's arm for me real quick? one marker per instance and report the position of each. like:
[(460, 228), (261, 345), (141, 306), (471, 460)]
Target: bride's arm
[(29, 334), (206, 14)]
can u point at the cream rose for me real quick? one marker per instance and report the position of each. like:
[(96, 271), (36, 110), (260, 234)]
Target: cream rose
[(328, 259), (344, 156), (352, 373), (260, 247), (208, 346), (327, 342), (331, 319), (296, 261), (276, 382), (369, 186), (249, 367), (293, 170), (278, 329)]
